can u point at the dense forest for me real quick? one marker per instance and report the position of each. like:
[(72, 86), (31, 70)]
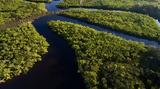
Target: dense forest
[(19, 9), (20, 47), (110, 62), (128, 22), (151, 7), (32, 34)]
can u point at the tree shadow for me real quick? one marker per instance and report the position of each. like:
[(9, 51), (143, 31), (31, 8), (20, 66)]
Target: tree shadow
[(150, 64)]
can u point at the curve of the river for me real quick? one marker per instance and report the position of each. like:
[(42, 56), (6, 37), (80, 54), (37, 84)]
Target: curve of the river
[(52, 8), (58, 69)]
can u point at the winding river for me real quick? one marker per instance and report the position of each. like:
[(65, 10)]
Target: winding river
[(51, 7), (58, 69)]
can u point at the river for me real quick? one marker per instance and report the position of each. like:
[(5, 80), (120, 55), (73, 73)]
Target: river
[(52, 8), (158, 22), (58, 69)]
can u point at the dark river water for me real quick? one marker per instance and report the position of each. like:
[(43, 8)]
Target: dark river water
[(58, 69)]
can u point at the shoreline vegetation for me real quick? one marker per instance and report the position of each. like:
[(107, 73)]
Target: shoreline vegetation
[(21, 9), (20, 44), (149, 7), (127, 22), (21, 47), (40, 1), (16, 22), (107, 61)]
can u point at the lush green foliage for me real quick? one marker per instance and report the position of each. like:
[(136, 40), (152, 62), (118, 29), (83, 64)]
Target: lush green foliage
[(110, 62), (20, 49), (9, 5), (151, 7), (19, 9), (40, 0), (132, 23)]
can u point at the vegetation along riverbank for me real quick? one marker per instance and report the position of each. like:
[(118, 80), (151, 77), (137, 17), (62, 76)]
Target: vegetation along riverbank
[(21, 47), (107, 61), (19, 10), (127, 22), (90, 48), (149, 7)]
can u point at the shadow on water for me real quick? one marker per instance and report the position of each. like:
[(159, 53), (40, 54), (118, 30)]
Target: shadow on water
[(150, 63), (57, 70)]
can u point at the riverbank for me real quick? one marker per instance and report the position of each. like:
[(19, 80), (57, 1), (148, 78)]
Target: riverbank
[(124, 60), (16, 22), (58, 68), (146, 7), (134, 24)]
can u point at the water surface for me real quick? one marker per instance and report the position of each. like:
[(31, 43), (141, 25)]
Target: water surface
[(58, 69), (158, 22), (51, 7)]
